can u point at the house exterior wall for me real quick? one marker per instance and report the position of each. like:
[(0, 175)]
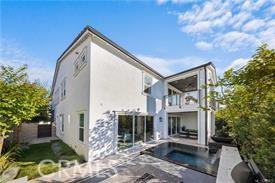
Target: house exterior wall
[(110, 83), (117, 85), (190, 120), (75, 101)]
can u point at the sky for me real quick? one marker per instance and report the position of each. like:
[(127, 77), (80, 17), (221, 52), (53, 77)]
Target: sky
[(169, 35)]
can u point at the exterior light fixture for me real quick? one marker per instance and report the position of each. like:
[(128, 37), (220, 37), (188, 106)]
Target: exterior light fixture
[(160, 119)]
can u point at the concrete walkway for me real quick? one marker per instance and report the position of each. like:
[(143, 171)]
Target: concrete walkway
[(42, 140), (90, 169)]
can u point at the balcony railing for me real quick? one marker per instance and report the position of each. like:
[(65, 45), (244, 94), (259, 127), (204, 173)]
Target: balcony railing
[(184, 99)]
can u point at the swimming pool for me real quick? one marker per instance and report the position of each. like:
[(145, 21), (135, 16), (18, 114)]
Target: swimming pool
[(193, 157)]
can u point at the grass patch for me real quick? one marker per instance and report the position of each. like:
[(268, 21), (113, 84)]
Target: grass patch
[(30, 158)]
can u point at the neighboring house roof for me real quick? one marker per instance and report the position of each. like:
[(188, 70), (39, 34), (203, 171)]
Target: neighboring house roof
[(95, 32)]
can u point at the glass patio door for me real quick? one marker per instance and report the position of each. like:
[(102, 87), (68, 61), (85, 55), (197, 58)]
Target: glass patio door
[(149, 128), (125, 132), (139, 129), (169, 125), (173, 125), (134, 130)]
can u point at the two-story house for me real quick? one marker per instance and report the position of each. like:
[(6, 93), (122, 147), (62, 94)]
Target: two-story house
[(106, 100)]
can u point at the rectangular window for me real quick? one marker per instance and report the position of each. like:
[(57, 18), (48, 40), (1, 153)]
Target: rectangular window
[(81, 127), (147, 84), (76, 67), (56, 97), (62, 122), (63, 89), (80, 62)]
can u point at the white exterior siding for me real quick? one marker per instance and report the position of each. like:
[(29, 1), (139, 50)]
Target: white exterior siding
[(112, 82), (116, 85), (76, 99)]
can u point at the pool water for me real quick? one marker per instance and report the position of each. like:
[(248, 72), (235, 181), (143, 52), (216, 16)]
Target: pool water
[(196, 158)]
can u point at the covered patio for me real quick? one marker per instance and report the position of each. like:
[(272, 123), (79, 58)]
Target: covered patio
[(183, 125)]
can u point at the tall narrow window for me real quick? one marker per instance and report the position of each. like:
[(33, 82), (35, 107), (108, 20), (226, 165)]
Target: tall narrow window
[(81, 127), (56, 97), (147, 83), (63, 89), (62, 122)]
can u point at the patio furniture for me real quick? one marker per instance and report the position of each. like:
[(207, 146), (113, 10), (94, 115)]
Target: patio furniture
[(193, 134), (125, 137), (189, 133)]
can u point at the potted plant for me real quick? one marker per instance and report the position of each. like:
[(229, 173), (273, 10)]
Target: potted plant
[(222, 132)]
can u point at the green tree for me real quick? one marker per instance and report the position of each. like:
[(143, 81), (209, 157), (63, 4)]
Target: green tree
[(248, 97), (20, 99)]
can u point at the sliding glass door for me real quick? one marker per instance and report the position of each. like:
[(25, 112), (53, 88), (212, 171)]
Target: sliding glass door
[(173, 125), (139, 129), (134, 130), (149, 128), (169, 125), (125, 132)]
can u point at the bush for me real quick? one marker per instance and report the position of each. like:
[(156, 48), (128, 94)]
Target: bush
[(248, 97)]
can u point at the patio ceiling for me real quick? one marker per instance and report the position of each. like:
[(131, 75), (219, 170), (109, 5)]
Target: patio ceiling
[(185, 85)]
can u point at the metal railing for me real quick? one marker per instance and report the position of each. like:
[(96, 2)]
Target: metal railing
[(180, 100)]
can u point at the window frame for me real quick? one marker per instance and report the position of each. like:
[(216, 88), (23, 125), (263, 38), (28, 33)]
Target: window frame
[(63, 89), (144, 84), (79, 63), (62, 123), (81, 127)]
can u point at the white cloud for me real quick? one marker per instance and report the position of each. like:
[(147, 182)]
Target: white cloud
[(231, 25), (233, 41), (238, 63), (271, 10), (253, 25), (203, 45), (235, 65), (250, 5), (239, 19), (13, 54), (268, 35), (199, 27), (171, 66)]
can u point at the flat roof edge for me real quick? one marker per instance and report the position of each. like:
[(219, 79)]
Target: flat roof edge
[(191, 69)]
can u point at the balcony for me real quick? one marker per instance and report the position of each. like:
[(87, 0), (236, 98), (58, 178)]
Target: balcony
[(181, 101)]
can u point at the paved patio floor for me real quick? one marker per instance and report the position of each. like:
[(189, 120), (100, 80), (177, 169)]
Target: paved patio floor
[(161, 171), (127, 165)]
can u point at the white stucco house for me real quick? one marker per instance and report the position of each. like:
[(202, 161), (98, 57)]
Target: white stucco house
[(104, 99)]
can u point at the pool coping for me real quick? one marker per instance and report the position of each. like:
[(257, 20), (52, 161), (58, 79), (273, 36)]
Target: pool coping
[(230, 157)]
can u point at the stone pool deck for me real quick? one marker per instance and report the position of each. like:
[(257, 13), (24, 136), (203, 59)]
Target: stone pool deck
[(161, 171), (126, 166)]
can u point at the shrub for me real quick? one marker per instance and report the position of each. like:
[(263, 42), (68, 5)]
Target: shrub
[(248, 97)]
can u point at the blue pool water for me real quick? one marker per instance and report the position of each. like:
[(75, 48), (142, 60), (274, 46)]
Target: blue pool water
[(196, 158)]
